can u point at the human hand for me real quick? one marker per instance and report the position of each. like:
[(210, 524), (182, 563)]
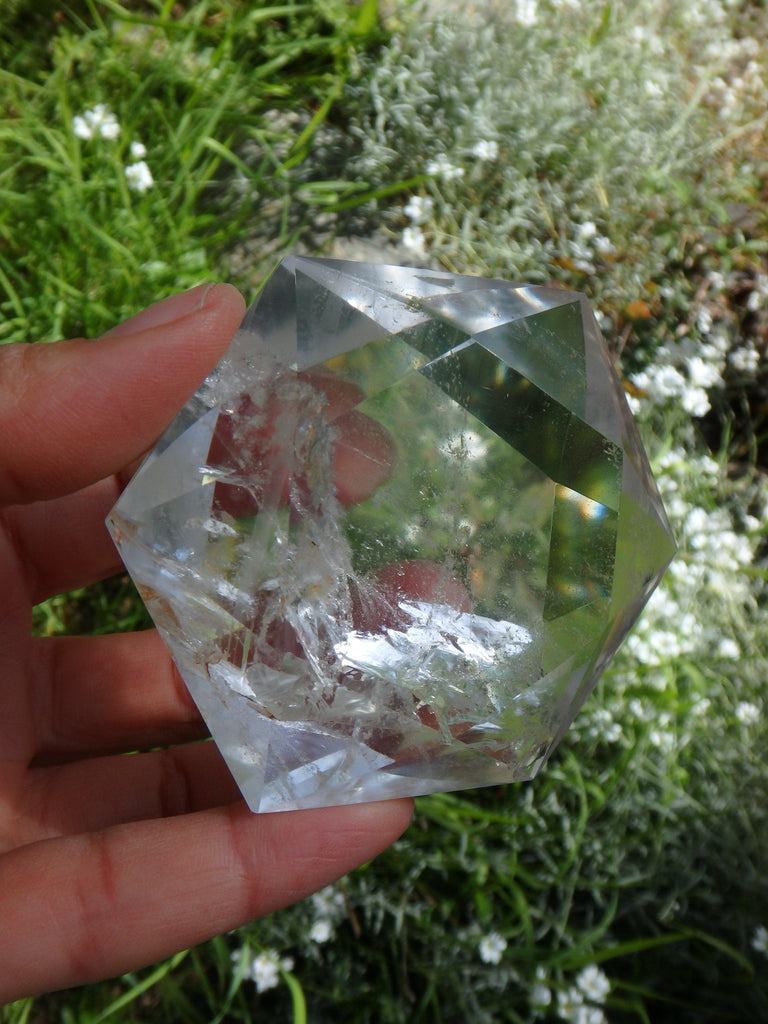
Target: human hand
[(109, 862)]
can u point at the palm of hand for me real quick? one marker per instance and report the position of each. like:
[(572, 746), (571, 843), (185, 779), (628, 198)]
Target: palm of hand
[(107, 861)]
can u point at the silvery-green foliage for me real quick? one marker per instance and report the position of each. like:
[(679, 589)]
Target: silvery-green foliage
[(600, 120)]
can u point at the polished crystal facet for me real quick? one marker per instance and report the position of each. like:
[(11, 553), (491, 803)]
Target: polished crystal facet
[(394, 538)]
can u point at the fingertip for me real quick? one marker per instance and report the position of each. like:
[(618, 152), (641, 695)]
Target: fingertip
[(175, 307), (364, 454)]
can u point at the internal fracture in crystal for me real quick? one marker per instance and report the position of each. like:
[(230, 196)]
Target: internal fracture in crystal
[(397, 534)]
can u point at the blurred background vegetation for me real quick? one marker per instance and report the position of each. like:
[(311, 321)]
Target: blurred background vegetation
[(614, 146)]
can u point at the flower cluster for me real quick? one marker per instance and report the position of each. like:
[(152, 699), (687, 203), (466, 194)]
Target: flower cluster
[(683, 373), (418, 209), (138, 174), (581, 1003), (329, 908), (263, 969), (100, 122), (442, 167)]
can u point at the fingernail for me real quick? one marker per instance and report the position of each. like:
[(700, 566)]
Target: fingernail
[(164, 312)]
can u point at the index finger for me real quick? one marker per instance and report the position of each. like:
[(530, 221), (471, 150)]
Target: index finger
[(77, 411)]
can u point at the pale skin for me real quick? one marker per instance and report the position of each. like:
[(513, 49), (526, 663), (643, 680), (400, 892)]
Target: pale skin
[(110, 862)]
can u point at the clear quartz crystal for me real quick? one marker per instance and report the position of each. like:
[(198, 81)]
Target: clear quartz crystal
[(397, 534)]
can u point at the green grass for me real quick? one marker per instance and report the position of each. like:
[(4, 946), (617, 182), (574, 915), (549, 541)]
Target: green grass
[(631, 163), (79, 249)]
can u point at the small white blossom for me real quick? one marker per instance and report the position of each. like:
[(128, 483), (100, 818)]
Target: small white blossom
[(138, 150), (700, 706), (666, 381), (418, 209), (98, 121), (744, 359), (413, 239), (571, 1007), (747, 712), (329, 903), (760, 940), (491, 948), (695, 401), (759, 295), (264, 969), (663, 741), (527, 13), (541, 995), (321, 931), (702, 373), (569, 1003), (237, 958), (441, 167), (728, 648), (593, 983), (486, 149), (603, 246), (704, 321), (139, 176)]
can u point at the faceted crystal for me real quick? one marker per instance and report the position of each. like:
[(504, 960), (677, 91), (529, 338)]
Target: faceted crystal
[(397, 534)]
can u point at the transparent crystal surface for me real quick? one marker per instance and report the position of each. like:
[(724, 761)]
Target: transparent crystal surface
[(397, 534)]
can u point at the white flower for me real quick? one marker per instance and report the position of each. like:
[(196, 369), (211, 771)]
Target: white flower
[(604, 246), (486, 149), (527, 13), (81, 127), (321, 931), (329, 903), (701, 373), (570, 1006), (413, 239), (139, 176), (569, 1003), (587, 231), (593, 983), (237, 958), (695, 401), (138, 150), (98, 121), (728, 648), (663, 741), (637, 709), (667, 381), (541, 996), (701, 705), (491, 948), (265, 970), (760, 939), (745, 359), (747, 712), (704, 321), (418, 209), (441, 167)]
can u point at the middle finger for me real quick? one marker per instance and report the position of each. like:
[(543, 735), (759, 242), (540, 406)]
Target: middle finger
[(109, 694)]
